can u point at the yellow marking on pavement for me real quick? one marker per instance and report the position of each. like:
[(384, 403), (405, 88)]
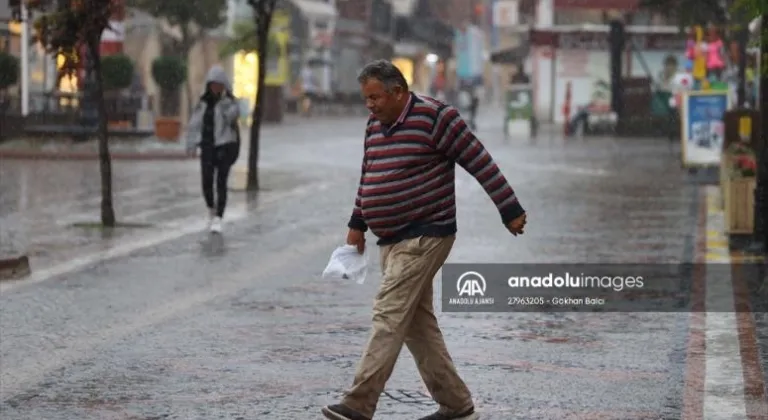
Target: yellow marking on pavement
[(717, 258), (715, 234), (717, 242), (746, 258), (723, 386)]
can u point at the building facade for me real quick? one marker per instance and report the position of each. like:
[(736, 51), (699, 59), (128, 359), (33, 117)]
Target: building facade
[(365, 31), (423, 44), (301, 32), (562, 46)]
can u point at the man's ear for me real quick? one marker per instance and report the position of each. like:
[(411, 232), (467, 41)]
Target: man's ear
[(399, 91)]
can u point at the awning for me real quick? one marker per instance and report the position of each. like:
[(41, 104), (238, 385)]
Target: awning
[(404, 7), (513, 55), (597, 4), (317, 9)]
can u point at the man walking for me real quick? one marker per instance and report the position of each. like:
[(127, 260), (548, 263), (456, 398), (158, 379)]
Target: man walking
[(406, 198)]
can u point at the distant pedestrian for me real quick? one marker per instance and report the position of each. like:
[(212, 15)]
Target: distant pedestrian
[(213, 127), (406, 197), (310, 89)]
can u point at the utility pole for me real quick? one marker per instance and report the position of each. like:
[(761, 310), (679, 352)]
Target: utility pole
[(761, 190), (89, 112), (24, 20), (617, 40), (742, 40)]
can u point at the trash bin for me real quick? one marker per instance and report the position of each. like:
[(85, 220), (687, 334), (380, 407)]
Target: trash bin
[(518, 110)]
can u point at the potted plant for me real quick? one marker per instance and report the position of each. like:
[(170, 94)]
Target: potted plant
[(9, 76), (117, 71), (738, 177), (170, 73)]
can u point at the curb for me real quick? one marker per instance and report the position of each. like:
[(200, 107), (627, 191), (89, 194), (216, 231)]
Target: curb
[(14, 268), (40, 155)]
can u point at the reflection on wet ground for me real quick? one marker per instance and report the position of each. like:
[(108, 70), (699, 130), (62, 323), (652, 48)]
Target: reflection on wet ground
[(241, 325)]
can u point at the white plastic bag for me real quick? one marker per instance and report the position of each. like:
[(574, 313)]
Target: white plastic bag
[(347, 263)]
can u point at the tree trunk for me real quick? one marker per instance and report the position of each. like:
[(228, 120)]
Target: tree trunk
[(187, 43), (105, 162), (190, 102), (258, 110)]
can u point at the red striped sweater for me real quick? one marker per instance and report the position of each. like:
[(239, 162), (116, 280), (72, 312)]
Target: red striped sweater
[(407, 185)]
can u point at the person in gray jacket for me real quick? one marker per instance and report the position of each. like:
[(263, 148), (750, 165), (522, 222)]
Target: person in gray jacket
[(214, 129)]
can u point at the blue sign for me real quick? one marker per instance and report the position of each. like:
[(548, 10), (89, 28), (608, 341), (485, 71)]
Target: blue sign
[(703, 127), (469, 46)]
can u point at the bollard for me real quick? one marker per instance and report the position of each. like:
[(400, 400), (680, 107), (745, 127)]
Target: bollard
[(13, 260)]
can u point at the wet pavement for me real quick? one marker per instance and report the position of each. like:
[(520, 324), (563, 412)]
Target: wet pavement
[(140, 148), (241, 326), (43, 201)]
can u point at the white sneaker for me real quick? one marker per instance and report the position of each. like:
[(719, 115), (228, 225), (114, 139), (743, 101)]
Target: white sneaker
[(216, 225), (211, 216)]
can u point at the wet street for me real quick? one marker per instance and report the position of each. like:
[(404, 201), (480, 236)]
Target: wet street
[(174, 323)]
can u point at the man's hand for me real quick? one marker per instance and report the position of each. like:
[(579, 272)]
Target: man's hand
[(516, 226), (356, 238)]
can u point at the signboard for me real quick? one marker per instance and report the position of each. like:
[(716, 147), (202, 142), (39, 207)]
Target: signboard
[(277, 60), (519, 109), (703, 130), (743, 126), (505, 14)]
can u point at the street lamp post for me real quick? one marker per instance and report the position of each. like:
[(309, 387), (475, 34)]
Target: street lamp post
[(617, 41), (89, 113), (742, 40), (21, 14), (760, 237), (761, 191)]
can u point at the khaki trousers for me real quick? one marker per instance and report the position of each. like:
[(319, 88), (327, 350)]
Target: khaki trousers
[(403, 313)]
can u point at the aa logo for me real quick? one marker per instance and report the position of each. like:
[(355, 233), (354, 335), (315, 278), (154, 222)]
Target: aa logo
[(471, 284)]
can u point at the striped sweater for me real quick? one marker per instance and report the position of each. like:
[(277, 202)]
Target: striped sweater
[(407, 185)]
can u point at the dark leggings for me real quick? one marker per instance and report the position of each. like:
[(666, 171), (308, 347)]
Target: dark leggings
[(215, 163)]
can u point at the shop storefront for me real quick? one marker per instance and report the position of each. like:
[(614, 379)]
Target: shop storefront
[(578, 57), (314, 60), (245, 70), (348, 55), (421, 42)]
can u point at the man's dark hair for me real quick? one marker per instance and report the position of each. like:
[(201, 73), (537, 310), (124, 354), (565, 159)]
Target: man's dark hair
[(385, 72)]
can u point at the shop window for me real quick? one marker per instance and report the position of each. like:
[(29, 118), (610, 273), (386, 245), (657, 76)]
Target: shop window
[(647, 18), (601, 17), (584, 16)]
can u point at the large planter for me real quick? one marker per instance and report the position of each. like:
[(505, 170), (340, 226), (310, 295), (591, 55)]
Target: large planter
[(738, 195), (167, 129), (120, 125)]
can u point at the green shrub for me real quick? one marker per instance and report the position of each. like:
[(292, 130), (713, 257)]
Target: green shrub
[(169, 73), (117, 72), (9, 70)]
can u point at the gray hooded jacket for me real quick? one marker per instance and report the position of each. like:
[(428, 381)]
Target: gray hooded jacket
[(225, 115)]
